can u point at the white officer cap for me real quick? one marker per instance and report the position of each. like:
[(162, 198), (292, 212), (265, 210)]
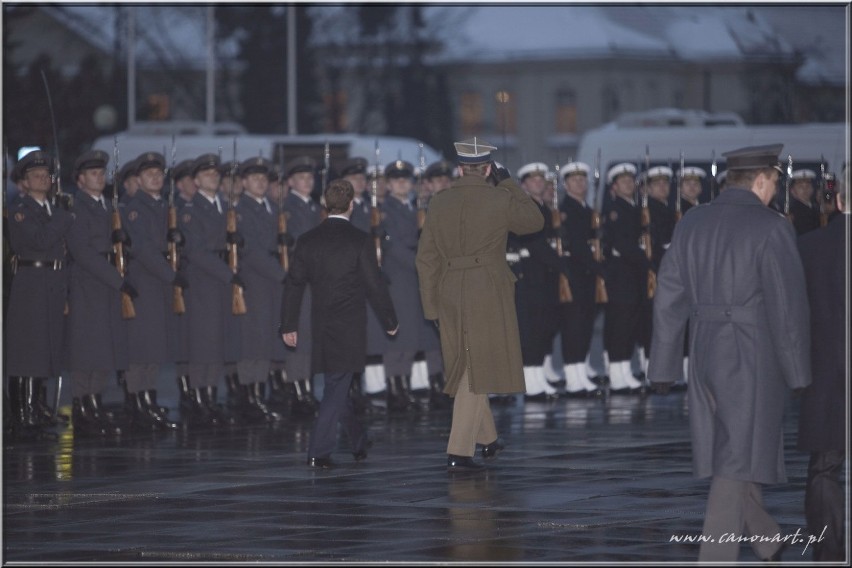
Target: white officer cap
[(804, 174), (660, 171), (618, 169), (474, 151), (692, 171), (539, 168), (574, 168)]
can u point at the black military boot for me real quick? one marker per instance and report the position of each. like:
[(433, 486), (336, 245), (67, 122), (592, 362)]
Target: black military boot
[(209, 398), (257, 399), (44, 412), (236, 397), (438, 399), (306, 403), (140, 418), (157, 412), (397, 398), (94, 408), (282, 395), (23, 417), (361, 404)]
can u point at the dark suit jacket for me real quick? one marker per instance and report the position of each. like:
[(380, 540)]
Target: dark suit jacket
[(822, 416), (339, 263)]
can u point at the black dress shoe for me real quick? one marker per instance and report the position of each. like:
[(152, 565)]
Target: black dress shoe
[(323, 463), (490, 451), (541, 397), (361, 454), (462, 463)]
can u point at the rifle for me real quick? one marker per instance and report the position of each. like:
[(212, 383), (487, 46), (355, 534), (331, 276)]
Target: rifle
[(375, 214), (646, 229), (283, 253), (326, 165), (678, 212), (713, 177), (601, 297), (128, 311), (565, 295), (55, 180), (178, 305), (787, 183), (421, 199), (238, 302), (823, 186)]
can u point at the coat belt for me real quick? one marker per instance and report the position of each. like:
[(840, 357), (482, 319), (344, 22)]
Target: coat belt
[(51, 264), (473, 261), (725, 313)]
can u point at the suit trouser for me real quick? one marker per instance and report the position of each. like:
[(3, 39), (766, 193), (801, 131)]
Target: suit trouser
[(824, 499), (473, 422), (735, 509), (336, 407)]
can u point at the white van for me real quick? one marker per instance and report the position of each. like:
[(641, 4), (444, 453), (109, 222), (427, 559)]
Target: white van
[(807, 144), (279, 148)]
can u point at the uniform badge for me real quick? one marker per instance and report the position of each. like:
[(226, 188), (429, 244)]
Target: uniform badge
[(133, 215), (19, 217), (186, 217), (613, 215)]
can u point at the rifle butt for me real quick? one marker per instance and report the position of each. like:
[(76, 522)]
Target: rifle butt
[(601, 297), (238, 300), (128, 311), (652, 283), (565, 294), (178, 304)]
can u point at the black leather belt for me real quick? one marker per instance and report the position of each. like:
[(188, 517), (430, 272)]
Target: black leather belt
[(49, 264)]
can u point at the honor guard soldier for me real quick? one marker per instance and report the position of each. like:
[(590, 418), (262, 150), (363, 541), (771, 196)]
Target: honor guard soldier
[(440, 176), (303, 214), (577, 318), (354, 171), (690, 189), (202, 222), (97, 332), (261, 270), (34, 323), (128, 181), (626, 270), (803, 210), (184, 182), (152, 333), (537, 289), (399, 222)]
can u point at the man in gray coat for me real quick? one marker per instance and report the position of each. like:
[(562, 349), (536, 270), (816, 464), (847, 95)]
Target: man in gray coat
[(732, 271), (467, 287)]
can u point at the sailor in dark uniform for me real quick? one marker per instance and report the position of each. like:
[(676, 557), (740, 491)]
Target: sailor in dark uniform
[(626, 278), (803, 211), (34, 324), (690, 188), (97, 333), (151, 334)]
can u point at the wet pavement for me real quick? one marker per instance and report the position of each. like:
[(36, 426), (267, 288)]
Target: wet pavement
[(580, 481)]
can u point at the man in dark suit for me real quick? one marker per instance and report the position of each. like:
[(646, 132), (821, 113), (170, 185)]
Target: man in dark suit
[(339, 262), (822, 415)]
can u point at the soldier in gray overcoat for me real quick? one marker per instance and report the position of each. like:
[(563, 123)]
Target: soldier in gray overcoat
[(733, 274), (152, 333), (96, 332), (466, 285), (261, 270), (34, 325)]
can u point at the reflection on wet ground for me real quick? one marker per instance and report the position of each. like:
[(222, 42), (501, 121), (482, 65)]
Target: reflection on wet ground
[(581, 480)]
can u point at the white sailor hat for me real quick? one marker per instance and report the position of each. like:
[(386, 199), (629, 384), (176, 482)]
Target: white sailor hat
[(539, 168), (618, 169), (574, 168), (692, 171), (474, 151), (804, 174), (660, 171)]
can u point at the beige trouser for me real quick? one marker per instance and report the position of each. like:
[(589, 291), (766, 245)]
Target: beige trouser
[(735, 508), (473, 422)]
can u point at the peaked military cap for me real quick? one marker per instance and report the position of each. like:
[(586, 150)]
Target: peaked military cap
[(150, 160), (804, 174), (399, 169), (354, 166), (619, 169), (208, 161), (534, 168), (35, 159), (90, 160), (692, 171), (439, 168), (754, 157), (183, 169), (256, 165), (300, 164), (127, 170), (474, 151), (660, 171), (572, 168)]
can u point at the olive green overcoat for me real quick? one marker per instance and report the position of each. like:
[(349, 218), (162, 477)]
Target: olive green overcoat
[(466, 284)]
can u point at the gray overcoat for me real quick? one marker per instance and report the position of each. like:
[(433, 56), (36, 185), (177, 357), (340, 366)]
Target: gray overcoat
[(733, 271), (466, 284)]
